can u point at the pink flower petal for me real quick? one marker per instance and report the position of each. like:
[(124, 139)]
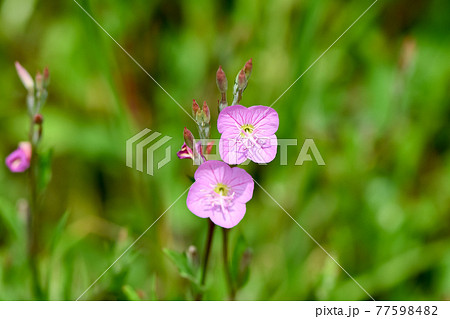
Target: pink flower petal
[(232, 117), (226, 207), (241, 184), (266, 152), (195, 201), (18, 161), (212, 171), (185, 152), (236, 146), (264, 118), (231, 149), (230, 219)]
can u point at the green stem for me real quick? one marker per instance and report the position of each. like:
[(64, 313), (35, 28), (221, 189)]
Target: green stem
[(33, 229), (206, 257), (231, 290)]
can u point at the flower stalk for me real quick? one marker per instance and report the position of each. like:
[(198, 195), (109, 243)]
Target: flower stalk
[(226, 266), (208, 245), (36, 97), (220, 192)]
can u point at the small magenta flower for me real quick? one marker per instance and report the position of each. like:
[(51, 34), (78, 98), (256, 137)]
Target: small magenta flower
[(220, 193), (248, 133), (19, 160), (197, 155)]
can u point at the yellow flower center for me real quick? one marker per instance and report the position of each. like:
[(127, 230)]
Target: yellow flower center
[(247, 128), (222, 189)]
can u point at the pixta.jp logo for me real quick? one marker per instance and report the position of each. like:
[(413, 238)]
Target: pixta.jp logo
[(144, 145)]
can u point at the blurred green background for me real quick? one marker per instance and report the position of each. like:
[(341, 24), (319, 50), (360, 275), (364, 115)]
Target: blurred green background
[(377, 106)]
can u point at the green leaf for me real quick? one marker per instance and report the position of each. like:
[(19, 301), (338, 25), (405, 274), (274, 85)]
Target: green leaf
[(183, 265), (10, 219), (58, 231), (130, 293)]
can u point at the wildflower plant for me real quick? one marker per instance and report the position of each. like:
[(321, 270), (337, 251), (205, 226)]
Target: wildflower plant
[(220, 192), (27, 158)]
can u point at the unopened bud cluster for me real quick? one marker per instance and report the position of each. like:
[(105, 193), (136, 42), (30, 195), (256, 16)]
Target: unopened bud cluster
[(196, 150), (20, 160), (36, 97), (202, 117), (240, 84)]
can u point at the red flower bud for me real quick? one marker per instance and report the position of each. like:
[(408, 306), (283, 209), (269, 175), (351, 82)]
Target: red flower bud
[(209, 147), (221, 80), (46, 76), (195, 107), (39, 81), (248, 68), (38, 119), (206, 111), (242, 80), (188, 138)]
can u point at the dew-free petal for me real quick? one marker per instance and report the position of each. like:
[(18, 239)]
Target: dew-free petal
[(264, 118), (231, 150), (234, 215), (266, 150), (220, 193)]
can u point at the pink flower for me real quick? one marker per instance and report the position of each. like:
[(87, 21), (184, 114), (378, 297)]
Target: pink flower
[(248, 133), (19, 160), (187, 152), (220, 193)]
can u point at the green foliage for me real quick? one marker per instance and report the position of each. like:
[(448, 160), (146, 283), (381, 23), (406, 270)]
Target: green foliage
[(240, 263), (44, 169), (376, 105), (185, 267)]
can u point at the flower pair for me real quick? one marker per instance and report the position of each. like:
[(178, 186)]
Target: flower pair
[(219, 191)]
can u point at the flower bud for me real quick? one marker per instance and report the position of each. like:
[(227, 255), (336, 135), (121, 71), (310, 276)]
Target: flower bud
[(221, 80), (39, 82), (25, 77), (195, 107), (192, 255), (188, 138), (206, 112), (209, 147), (38, 119), (46, 77), (248, 68), (242, 80)]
